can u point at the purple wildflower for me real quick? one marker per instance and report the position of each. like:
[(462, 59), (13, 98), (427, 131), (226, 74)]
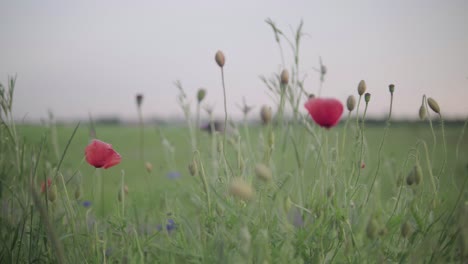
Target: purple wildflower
[(173, 175), (170, 226), (86, 204)]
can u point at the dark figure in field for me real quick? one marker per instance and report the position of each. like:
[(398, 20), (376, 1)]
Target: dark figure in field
[(217, 126)]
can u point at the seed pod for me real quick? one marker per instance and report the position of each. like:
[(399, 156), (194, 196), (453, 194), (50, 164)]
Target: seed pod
[(201, 95), (52, 193), (139, 99), (149, 167), (284, 77), (351, 103), (433, 105), (266, 114), (219, 58), (367, 97), (391, 88), (405, 229), (263, 172), (240, 189), (362, 87), (417, 173), (422, 112), (193, 168)]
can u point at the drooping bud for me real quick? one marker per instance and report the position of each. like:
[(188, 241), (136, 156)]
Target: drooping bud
[(240, 189), (193, 168), (410, 178), (433, 105), (284, 77), (52, 193), (122, 191), (139, 99), (361, 87), (201, 95), (149, 167), (367, 97), (405, 229), (391, 88), (351, 103), (219, 58), (266, 114), (417, 173), (263, 172), (422, 112)]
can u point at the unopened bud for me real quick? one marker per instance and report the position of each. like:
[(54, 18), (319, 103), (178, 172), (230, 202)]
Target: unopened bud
[(351, 103), (219, 58), (149, 167), (417, 173), (193, 168), (52, 193), (139, 99), (422, 112), (405, 229), (284, 77), (391, 88), (266, 114), (410, 178), (367, 97), (433, 105), (201, 95), (240, 189), (372, 228), (263, 172), (361, 87)]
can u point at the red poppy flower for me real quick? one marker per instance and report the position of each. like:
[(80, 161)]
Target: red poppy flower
[(43, 186), (325, 112), (101, 155)]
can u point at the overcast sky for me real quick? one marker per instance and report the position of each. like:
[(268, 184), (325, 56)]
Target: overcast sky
[(80, 57)]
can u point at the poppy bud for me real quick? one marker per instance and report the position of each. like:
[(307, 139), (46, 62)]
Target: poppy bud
[(52, 193), (351, 103), (119, 193), (367, 97), (405, 229), (201, 95), (284, 77), (149, 167), (266, 114), (433, 105), (139, 99), (263, 172), (193, 168), (391, 88), (361, 87), (417, 173), (219, 58), (410, 178), (240, 189), (422, 112)]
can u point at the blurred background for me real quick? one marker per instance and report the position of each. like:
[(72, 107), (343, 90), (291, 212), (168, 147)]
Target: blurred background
[(80, 57)]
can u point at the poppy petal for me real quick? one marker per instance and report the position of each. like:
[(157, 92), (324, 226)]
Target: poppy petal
[(101, 155), (325, 112)]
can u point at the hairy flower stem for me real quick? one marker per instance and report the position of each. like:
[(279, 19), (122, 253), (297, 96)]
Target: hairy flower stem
[(142, 142), (122, 193), (445, 145), (344, 133), (225, 120), (362, 149), (379, 155), (197, 128), (204, 182)]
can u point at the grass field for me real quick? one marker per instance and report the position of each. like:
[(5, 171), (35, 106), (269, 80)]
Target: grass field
[(315, 209)]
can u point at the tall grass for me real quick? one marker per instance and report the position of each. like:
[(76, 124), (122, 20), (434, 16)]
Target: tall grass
[(407, 205)]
